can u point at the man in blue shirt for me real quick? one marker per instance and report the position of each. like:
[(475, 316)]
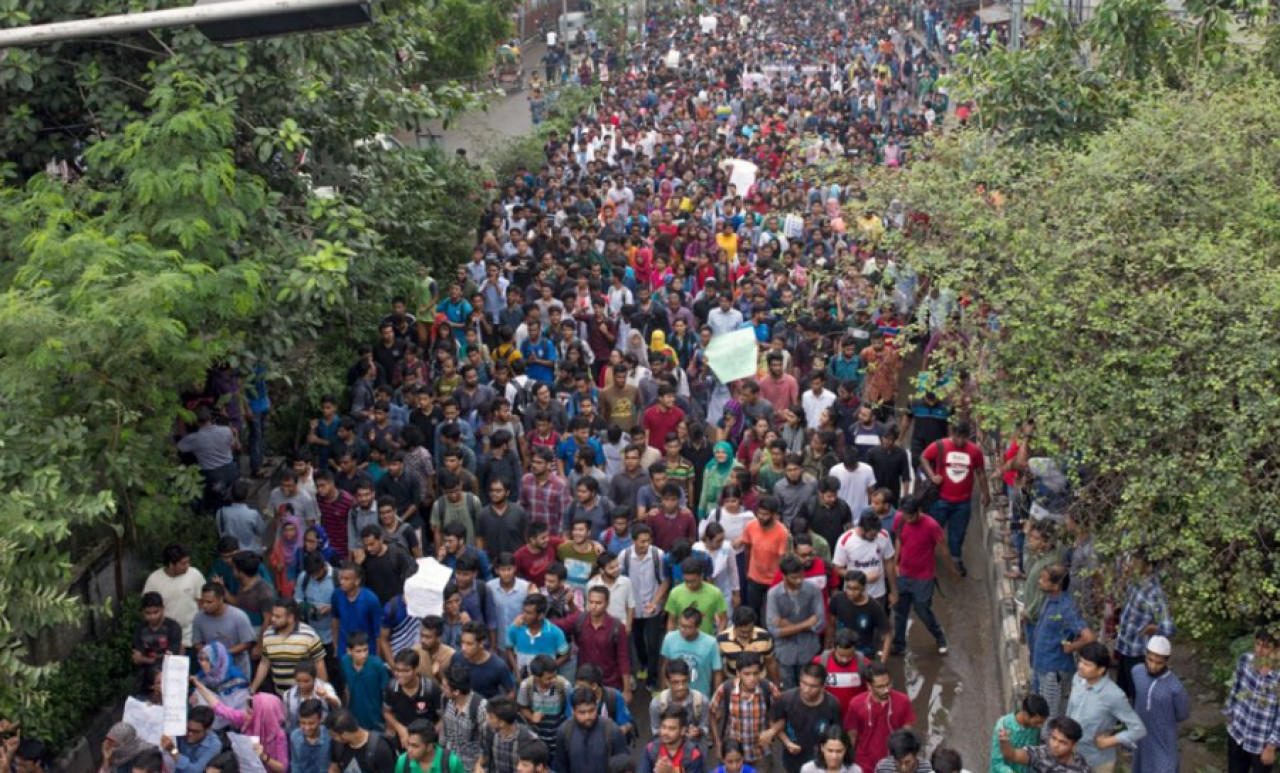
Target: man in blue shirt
[(580, 438), (1099, 705), (354, 609), (192, 752), (309, 741), (1058, 633), (457, 311), (532, 635), (539, 356)]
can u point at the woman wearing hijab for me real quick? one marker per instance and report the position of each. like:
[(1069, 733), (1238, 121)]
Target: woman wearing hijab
[(263, 718), (716, 476), (636, 347), (286, 555), (220, 676), (658, 345), (316, 540), (735, 422), (121, 747)]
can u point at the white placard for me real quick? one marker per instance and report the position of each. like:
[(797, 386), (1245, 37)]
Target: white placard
[(742, 174), (424, 591), (242, 747), (708, 24), (146, 719), (173, 689), (673, 59)]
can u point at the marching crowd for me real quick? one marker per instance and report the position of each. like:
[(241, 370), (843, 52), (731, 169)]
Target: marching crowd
[(621, 525)]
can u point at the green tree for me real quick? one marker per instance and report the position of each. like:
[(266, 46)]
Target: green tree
[(1136, 281), (185, 232)]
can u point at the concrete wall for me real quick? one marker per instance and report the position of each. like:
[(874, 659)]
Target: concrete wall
[(1014, 666), (94, 584)]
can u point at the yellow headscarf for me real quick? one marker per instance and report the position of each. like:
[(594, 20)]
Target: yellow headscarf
[(658, 345)]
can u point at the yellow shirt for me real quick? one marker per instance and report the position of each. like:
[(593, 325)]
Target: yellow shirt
[(728, 243)]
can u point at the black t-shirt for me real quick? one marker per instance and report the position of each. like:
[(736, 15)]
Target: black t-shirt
[(929, 423), (168, 638), (829, 522), (376, 756), (385, 574), (503, 533), (427, 422), (423, 704), (388, 357), (891, 468), (868, 622), (805, 724)]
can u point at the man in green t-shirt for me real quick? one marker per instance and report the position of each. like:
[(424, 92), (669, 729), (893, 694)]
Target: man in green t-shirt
[(422, 753), (693, 592)]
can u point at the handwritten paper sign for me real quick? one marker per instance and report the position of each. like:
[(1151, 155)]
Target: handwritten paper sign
[(173, 692), (146, 719)]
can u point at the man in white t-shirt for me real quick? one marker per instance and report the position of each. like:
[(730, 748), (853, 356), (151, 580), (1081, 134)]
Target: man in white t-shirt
[(857, 479), (817, 400), (867, 548), (179, 584)]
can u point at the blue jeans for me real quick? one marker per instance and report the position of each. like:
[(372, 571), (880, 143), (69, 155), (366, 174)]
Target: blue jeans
[(953, 517), (918, 595)]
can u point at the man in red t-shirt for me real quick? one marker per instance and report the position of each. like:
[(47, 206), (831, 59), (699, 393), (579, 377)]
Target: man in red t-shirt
[(538, 553), (663, 418), (872, 716), (919, 541), (955, 473), (844, 666)]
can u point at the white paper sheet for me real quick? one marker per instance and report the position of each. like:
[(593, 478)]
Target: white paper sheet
[(742, 174), (173, 690), (242, 747), (424, 591), (733, 355), (146, 719)]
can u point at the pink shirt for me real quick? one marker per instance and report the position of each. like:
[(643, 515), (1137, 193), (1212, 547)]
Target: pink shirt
[(781, 394)]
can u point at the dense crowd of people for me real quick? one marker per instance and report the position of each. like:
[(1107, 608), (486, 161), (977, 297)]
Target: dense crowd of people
[(622, 526)]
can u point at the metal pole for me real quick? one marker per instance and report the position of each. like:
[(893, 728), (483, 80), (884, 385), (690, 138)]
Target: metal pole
[(1015, 25), (107, 26)]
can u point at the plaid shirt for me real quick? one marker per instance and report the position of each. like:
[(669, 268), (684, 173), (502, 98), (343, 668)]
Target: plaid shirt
[(748, 716), (500, 753), (1253, 708), (546, 503), (462, 737), (1145, 604)]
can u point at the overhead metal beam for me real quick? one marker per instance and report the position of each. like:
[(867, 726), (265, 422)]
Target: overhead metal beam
[(124, 24)]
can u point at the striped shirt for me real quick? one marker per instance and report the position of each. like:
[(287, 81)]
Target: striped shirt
[(731, 649), (286, 651), (403, 631), (681, 473)]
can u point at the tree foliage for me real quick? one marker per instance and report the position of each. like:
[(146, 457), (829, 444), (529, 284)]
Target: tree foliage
[(186, 231), (1070, 81), (1136, 280)]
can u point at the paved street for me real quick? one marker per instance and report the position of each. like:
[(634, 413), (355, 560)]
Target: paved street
[(506, 115), (956, 696)]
